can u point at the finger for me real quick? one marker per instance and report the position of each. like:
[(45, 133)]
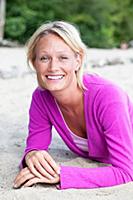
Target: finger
[(32, 167), (34, 181), (39, 166), (45, 165), (24, 178), (38, 180), (24, 170), (42, 170), (51, 161), (55, 180)]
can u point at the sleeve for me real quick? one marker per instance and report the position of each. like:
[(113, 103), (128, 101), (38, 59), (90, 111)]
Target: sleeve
[(39, 137), (114, 116)]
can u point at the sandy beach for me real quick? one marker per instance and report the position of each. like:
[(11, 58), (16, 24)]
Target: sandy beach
[(17, 83)]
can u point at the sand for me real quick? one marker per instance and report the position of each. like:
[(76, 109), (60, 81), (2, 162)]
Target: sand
[(16, 87)]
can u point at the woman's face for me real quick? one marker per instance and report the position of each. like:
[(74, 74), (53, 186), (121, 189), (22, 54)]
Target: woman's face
[(56, 63)]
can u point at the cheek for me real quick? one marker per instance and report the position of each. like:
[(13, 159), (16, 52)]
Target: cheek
[(39, 67), (72, 65)]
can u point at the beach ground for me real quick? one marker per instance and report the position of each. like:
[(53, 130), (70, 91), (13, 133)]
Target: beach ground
[(16, 86)]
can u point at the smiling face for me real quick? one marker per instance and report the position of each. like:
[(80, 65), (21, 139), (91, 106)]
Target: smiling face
[(55, 63)]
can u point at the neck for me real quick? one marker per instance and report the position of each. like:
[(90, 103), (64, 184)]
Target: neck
[(69, 99)]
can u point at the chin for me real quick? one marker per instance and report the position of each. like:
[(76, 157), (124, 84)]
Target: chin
[(54, 89)]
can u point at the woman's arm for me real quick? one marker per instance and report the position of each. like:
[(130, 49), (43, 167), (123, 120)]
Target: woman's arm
[(39, 137), (36, 158), (117, 124)]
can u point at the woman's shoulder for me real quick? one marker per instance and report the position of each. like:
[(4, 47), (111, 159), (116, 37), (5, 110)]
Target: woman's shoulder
[(96, 82), (40, 93), (103, 88), (95, 79)]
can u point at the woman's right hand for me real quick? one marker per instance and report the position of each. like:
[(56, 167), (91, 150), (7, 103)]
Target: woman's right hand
[(42, 164)]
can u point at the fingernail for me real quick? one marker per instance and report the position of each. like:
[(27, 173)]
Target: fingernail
[(58, 171), (51, 177), (55, 175), (15, 186)]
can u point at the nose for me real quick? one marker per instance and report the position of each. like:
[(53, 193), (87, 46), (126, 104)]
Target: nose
[(53, 65)]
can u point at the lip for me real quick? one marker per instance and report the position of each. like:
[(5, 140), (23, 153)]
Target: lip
[(55, 76)]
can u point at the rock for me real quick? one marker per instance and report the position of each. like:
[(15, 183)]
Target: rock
[(9, 73), (111, 61), (131, 44), (7, 43)]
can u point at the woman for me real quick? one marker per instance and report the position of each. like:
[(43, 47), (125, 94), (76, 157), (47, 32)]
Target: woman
[(93, 116)]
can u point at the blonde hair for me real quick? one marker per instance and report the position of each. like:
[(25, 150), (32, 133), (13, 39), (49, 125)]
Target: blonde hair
[(70, 34)]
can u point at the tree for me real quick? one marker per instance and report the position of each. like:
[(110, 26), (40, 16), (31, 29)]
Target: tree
[(104, 23), (2, 18)]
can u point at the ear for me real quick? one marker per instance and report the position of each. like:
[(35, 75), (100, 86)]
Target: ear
[(79, 61)]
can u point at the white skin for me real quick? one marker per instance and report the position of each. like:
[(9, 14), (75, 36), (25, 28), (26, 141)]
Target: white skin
[(56, 63)]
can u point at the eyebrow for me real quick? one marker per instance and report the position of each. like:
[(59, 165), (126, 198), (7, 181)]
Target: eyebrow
[(56, 52)]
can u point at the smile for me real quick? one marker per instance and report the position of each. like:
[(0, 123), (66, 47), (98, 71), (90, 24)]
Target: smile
[(55, 77)]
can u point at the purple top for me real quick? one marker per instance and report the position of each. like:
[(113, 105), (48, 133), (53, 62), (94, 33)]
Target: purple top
[(109, 125)]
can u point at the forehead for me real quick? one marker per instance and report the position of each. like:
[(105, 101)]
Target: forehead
[(52, 42)]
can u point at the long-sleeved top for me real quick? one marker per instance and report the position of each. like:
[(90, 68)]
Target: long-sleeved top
[(109, 125)]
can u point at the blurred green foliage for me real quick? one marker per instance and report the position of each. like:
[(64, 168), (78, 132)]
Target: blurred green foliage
[(102, 23)]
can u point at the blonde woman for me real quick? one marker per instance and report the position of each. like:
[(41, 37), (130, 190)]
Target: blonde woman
[(93, 116)]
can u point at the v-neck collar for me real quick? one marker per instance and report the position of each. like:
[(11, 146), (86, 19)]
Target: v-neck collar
[(69, 132)]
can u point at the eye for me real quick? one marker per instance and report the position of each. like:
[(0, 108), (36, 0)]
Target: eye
[(63, 57), (44, 58)]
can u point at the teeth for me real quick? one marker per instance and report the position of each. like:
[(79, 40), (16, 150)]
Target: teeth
[(55, 77)]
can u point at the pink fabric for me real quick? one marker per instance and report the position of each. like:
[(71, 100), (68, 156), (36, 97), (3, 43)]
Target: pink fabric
[(109, 123)]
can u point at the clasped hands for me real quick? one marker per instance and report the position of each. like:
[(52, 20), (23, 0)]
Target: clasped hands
[(41, 168)]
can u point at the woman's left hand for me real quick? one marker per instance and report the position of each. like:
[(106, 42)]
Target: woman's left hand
[(26, 178)]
